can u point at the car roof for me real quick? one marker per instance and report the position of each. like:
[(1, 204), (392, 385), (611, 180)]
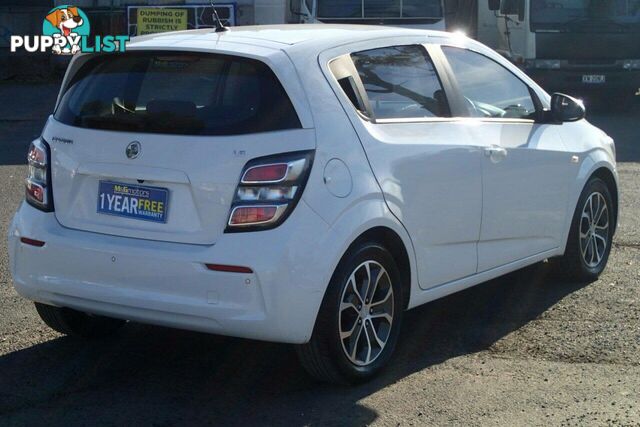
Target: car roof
[(317, 37)]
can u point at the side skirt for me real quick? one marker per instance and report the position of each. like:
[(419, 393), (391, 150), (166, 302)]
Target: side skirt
[(449, 288)]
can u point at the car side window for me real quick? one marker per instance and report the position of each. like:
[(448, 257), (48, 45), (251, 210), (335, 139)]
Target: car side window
[(489, 89), (401, 82)]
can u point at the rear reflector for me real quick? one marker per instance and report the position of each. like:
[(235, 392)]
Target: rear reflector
[(32, 242), (229, 268)]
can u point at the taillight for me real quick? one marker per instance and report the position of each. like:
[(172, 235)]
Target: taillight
[(38, 182), (269, 189), (265, 174)]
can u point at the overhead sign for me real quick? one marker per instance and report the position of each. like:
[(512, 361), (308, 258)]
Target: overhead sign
[(160, 20)]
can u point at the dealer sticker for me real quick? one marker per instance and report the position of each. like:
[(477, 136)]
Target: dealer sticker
[(133, 201)]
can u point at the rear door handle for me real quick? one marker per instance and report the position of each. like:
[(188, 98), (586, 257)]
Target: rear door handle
[(495, 153)]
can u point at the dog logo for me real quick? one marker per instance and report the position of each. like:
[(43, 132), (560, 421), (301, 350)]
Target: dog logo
[(66, 31), (67, 25), (133, 149)]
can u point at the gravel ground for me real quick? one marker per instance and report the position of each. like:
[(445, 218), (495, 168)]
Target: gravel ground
[(524, 349)]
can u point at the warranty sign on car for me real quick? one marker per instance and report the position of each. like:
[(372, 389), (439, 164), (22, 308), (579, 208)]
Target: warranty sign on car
[(133, 201)]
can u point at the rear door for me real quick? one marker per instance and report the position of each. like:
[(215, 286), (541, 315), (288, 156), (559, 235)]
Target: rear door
[(178, 127), (423, 159)]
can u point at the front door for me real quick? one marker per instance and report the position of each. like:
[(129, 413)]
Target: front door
[(524, 168)]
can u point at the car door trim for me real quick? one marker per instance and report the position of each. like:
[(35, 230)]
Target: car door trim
[(455, 119), (457, 106)]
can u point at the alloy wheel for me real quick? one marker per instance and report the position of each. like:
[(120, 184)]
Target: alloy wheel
[(594, 230), (366, 313)]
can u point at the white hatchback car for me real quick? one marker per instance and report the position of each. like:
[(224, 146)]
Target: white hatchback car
[(302, 184)]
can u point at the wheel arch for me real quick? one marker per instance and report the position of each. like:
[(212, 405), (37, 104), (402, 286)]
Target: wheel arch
[(597, 164), (388, 238), (609, 179), (572, 264)]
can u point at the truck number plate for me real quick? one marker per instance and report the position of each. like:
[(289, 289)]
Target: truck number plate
[(594, 79)]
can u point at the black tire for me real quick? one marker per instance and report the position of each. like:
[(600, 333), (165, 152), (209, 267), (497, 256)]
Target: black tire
[(572, 265), (75, 323), (325, 355)]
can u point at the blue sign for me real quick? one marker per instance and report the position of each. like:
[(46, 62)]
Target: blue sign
[(133, 201)]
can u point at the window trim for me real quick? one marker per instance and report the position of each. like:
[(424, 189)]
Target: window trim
[(450, 85), (459, 96), (506, 120), (342, 67), (417, 120)]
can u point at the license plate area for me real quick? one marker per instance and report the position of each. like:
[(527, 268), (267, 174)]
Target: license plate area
[(594, 79), (133, 201)]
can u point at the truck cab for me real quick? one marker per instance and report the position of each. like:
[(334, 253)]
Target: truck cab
[(422, 14), (579, 46)]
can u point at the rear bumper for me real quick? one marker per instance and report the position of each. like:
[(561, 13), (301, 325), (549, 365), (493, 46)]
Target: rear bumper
[(570, 80), (168, 283)]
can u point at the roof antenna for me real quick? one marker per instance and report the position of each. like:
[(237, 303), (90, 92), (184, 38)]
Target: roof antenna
[(220, 28)]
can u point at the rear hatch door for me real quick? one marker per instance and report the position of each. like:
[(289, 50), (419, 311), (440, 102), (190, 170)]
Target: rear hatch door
[(171, 130)]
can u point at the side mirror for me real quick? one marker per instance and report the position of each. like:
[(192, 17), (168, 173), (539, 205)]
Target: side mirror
[(494, 4), (521, 10), (565, 108), (514, 7)]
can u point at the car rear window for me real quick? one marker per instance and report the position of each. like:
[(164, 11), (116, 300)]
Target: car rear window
[(177, 93)]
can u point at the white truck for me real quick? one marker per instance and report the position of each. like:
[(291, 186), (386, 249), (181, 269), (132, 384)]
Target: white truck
[(582, 46), (424, 14), (576, 46)]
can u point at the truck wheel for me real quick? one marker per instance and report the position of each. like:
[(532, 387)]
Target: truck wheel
[(72, 322), (359, 321)]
